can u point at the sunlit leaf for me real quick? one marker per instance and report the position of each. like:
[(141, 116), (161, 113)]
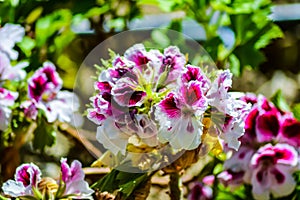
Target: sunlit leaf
[(279, 101), (34, 15)]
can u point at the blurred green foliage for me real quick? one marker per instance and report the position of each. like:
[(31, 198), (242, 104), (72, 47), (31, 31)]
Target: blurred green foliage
[(248, 21), (49, 26)]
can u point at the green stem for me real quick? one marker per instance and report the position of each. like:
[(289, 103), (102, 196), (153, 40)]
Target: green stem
[(174, 184)]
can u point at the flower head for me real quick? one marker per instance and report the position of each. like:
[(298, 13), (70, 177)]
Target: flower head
[(73, 177), (45, 83), (200, 192), (179, 115), (27, 177), (272, 171), (44, 91)]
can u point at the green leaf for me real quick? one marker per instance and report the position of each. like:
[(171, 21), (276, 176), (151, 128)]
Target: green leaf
[(235, 66), (63, 40), (296, 111), (97, 11), (3, 198), (130, 186), (51, 24), (108, 183), (34, 15), (249, 56), (28, 198), (26, 45), (273, 33), (212, 46), (279, 101), (44, 135)]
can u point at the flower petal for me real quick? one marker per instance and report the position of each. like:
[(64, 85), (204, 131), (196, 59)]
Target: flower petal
[(111, 137), (13, 188)]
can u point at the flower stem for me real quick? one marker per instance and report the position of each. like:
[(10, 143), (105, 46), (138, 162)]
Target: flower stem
[(175, 184)]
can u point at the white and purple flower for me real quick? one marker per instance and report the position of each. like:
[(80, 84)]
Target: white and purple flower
[(73, 177), (200, 191), (45, 83), (27, 177), (179, 115), (44, 92), (149, 91), (272, 168), (28, 181)]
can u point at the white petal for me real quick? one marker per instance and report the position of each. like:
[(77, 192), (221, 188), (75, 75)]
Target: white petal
[(179, 137), (288, 185), (13, 188), (80, 188), (111, 137)]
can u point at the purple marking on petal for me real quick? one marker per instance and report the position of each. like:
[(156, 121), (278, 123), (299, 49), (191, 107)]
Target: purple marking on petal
[(136, 97), (267, 126), (190, 128), (291, 130), (103, 86), (279, 177), (23, 175), (260, 176), (192, 94), (28, 174), (200, 192), (45, 83), (194, 73), (51, 74), (36, 87), (242, 155), (137, 54), (169, 106), (249, 98)]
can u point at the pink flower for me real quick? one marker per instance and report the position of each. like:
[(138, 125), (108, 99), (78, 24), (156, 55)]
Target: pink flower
[(179, 116), (173, 62), (100, 111), (73, 177), (236, 167), (138, 55), (290, 131), (200, 191), (125, 93), (272, 168), (7, 99), (231, 178), (194, 73), (27, 176), (44, 93), (45, 83), (263, 123)]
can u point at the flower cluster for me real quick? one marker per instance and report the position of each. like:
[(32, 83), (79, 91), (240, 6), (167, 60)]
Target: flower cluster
[(44, 94), (269, 153), (28, 182), (29, 98), (158, 99)]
